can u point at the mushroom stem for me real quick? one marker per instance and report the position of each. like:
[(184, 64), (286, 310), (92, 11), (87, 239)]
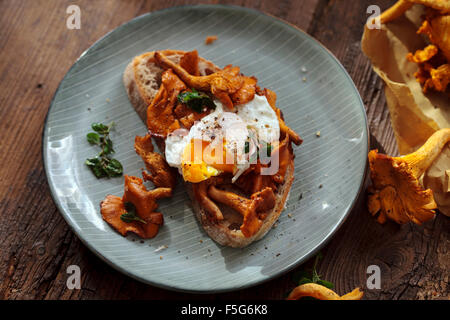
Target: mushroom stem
[(259, 202), (424, 157), (193, 81), (322, 293), (201, 194), (221, 83), (395, 11), (396, 192)]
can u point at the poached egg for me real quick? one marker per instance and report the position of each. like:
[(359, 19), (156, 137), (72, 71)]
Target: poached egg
[(222, 141)]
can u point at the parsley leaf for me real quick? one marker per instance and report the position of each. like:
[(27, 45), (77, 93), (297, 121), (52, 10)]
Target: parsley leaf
[(100, 128), (196, 100), (102, 165), (131, 214), (93, 138), (269, 149)]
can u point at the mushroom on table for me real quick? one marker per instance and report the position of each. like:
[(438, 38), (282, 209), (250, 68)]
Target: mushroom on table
[(396, 192), (320, 292)]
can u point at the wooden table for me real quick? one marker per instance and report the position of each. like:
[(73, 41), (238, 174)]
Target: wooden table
[(36, 244)]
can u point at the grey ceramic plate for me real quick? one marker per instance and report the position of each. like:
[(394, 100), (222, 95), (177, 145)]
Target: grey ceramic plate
[(315, 94)]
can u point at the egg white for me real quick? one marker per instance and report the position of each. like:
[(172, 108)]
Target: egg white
[(255, 118)]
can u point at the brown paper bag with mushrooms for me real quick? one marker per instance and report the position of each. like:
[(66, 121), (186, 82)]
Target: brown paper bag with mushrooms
[(415, 116)]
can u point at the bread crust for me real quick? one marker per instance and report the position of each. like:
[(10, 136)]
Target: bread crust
[(141, 80), (219, 231)]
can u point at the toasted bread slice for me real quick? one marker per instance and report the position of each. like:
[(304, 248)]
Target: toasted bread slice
[(226, 234), (142, 79)]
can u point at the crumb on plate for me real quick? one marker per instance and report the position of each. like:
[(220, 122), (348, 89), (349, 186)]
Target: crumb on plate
[(210, 39)]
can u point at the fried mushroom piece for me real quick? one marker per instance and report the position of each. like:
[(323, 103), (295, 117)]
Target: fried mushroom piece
[(160, 118), (144, 200), (210, 39), (285, 155), (189, 62), (227, 85), (113, 207), (253, 181), (272, 99), (396, 192), (201, 194), (187, 116), (161, 174), (259, 202)]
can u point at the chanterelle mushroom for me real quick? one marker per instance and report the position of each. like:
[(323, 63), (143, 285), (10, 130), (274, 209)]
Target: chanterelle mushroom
[(398, 9), (434, 60), (401, 6), (228, 85), (259, 202), (322, 293), (160, 173), (396, 192), (148, 221)]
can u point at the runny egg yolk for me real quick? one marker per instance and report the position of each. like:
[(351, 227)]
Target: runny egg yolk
[(201, 161)]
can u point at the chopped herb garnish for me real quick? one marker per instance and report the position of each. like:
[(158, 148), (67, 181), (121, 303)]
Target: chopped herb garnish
[(101, 128), (131, 214), (196, 100), (102, 165), (269, 149)]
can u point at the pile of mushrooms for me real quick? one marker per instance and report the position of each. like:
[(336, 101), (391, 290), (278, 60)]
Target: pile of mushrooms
[(434, 60)]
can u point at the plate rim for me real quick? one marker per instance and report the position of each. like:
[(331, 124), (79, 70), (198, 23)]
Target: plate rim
[(324, 241)]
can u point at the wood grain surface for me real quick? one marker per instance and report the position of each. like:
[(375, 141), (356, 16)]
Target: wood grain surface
[(36, 245)]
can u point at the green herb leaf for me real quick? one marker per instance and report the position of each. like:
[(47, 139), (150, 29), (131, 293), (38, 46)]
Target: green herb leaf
[(100, 127), (95, 164), (114, 168), (107, 146), (325, 283), (315, 277), (299, 275), (247, 147), (304, 281), (269, 149), (265, 150), (129, 207), (93, 138), (196, 100), (92, 162), (102, 165), (131, 215)]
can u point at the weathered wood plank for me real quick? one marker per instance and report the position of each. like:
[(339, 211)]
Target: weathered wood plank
[(405, 254), (36, 245)]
